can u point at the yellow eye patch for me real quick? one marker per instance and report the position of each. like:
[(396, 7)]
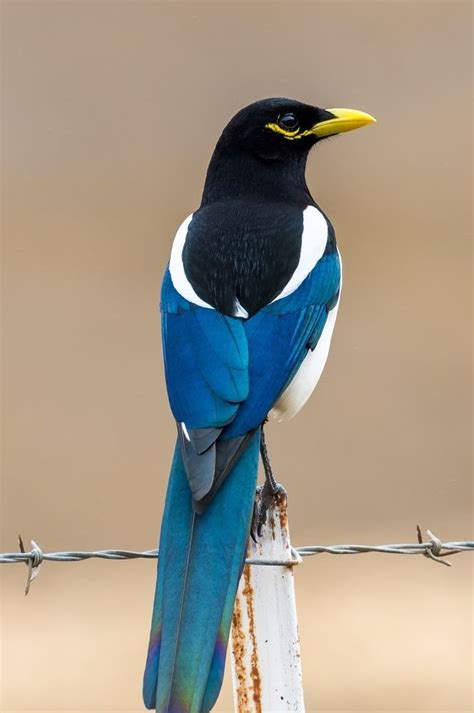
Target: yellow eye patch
[(286, 133), (294, 134)]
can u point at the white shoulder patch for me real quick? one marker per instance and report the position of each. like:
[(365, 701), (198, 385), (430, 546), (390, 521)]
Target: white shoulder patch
[(178, 275), (313, 245)]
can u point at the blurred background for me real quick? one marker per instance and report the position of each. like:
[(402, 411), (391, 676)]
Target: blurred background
[(110, 113)]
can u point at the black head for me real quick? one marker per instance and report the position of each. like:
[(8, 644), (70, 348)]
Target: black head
[(262, 151), (281, 128)]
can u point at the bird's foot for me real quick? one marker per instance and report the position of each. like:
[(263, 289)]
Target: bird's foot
[(267, 494)]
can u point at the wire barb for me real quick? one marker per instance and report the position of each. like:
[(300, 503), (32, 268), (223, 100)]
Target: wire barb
[(434, 548), (35, 558)]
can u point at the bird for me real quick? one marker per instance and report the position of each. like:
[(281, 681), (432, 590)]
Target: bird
[(249, 300)]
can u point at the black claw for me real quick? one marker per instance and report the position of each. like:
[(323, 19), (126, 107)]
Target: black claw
[(268, 495), (256, 505), (254, 525)]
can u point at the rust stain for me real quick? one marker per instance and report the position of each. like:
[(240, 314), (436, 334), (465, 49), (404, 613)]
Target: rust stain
[(254, 672), (272, 525), (238, 650), (281, 502)]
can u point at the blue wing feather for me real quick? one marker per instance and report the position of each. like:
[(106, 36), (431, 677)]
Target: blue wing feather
[(226, 373), (206, 361), (223, 371)]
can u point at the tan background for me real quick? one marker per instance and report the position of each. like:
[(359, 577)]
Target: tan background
[(110, 113)]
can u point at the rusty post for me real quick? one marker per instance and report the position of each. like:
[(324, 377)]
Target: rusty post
[(266, 660)]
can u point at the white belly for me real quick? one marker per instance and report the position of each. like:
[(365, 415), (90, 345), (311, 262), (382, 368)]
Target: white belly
[(300, 389)]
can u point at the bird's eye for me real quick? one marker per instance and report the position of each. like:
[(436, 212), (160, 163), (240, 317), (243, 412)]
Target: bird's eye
[(288, 121)]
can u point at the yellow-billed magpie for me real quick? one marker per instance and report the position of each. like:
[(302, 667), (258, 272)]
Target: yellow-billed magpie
[(248, 303)]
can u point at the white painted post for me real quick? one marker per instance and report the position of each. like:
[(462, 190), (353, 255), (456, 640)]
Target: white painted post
[(266, 659)]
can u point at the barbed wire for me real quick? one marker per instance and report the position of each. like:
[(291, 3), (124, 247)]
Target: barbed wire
[(434, 548)]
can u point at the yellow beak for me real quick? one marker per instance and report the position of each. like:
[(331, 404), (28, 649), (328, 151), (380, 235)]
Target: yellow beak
[(344, 120)]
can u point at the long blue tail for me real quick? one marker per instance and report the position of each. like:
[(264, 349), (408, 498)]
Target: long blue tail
[(199, 567)]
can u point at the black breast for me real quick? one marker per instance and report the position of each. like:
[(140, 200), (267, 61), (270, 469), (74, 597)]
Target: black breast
[(242, 250)]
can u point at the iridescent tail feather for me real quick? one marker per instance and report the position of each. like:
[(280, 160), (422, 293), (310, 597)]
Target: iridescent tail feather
[(201, 558)]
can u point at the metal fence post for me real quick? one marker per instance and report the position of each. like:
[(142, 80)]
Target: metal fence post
[(266, 659)]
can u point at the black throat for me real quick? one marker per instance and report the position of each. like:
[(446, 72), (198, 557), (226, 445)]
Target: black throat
[(237, 174)]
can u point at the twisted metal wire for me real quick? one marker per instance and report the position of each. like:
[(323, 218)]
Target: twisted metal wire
[(434, 548)]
